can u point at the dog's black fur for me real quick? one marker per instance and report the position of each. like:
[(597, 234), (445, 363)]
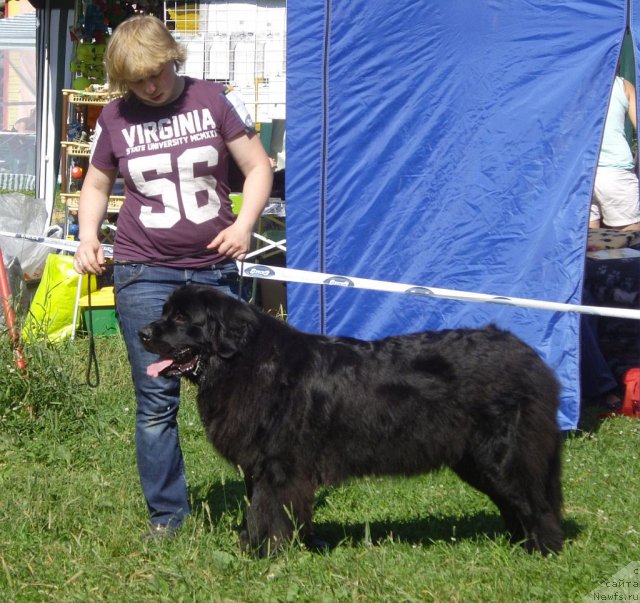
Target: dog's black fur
[(296, 410)]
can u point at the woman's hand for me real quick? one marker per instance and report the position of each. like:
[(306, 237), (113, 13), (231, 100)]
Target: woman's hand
[(233, 242), (89, 258), (249, 154)]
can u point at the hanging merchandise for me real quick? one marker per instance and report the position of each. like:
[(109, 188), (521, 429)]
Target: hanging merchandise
[(89, 36), (96, 21), (88, 65)]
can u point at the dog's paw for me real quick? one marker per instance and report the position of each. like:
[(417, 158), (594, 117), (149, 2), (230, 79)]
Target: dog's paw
[(265, 547), (245, 545), (315, 544)]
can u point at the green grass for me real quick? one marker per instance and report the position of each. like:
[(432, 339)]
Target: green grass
[(71, 512), (25, 191)]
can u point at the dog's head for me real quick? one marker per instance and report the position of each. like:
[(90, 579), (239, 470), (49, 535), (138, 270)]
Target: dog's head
[(197, 322)]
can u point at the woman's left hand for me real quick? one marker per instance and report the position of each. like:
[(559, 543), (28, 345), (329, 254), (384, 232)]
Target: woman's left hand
[(233, 242)]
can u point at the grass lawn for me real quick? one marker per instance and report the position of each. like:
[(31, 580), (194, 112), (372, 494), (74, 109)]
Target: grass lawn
[(71, 512)]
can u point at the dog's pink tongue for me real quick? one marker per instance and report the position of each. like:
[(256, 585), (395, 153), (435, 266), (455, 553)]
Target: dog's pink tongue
[(155, 368)]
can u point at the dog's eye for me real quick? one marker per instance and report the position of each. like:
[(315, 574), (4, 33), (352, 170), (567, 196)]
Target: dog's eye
[(179, 318)]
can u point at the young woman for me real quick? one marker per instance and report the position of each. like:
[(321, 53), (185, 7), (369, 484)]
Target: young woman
[(616, 198), (169, 137)]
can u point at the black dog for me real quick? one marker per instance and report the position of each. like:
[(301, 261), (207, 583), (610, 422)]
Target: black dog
[(295, 410)]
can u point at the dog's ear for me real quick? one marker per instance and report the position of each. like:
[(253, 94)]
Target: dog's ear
[(232, 324)]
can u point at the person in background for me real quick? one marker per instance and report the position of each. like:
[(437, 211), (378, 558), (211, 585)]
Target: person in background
[(169, 137), (598, 384), (615, 204), (278, 165), (26, 125), (616, 200)]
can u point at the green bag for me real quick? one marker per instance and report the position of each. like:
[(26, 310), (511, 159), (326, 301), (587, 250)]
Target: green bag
[(53, 305)]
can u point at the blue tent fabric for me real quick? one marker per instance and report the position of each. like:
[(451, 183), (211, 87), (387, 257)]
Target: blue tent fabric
[(447, 144)]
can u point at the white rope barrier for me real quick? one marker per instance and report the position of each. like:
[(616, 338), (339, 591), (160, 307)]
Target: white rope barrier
[(61, 244), (318, 278)]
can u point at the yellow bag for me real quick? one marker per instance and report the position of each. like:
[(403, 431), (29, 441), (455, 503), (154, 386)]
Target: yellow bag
[(52, 308)]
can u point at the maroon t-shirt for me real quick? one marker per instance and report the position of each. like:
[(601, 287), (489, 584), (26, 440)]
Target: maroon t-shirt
[(175, 163)]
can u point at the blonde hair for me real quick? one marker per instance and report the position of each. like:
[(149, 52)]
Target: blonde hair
[(139, 47)]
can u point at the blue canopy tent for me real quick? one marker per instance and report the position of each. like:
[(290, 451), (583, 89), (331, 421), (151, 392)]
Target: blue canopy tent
[(447, 144)]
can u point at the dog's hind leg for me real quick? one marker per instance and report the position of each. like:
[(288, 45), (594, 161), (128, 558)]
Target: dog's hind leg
[(536, 468), (546, 496), (470, 473), (527, 501)]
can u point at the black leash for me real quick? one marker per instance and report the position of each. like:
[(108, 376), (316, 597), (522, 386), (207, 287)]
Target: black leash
[(93, 359), (240, 280)]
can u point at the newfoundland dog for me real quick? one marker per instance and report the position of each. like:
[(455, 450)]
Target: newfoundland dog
[(295, 410)]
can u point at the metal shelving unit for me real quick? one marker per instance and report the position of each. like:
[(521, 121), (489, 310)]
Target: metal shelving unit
[(79, 110)]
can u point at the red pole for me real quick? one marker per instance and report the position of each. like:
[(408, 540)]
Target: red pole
[(10, 317)]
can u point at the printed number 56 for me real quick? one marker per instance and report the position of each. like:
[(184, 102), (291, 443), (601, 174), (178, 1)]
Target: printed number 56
[(189, 185)]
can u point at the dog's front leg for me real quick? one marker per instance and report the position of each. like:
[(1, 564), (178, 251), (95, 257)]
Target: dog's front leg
[(269, 523), (248, 486)]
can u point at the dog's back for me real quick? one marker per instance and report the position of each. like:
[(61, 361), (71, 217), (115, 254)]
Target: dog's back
[(416, 402)]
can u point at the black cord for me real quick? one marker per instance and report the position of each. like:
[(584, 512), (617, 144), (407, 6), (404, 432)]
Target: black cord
[(93, 359), (241, 280)]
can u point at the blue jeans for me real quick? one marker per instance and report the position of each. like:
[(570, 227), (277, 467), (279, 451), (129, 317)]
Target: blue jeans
[(141, 291)]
